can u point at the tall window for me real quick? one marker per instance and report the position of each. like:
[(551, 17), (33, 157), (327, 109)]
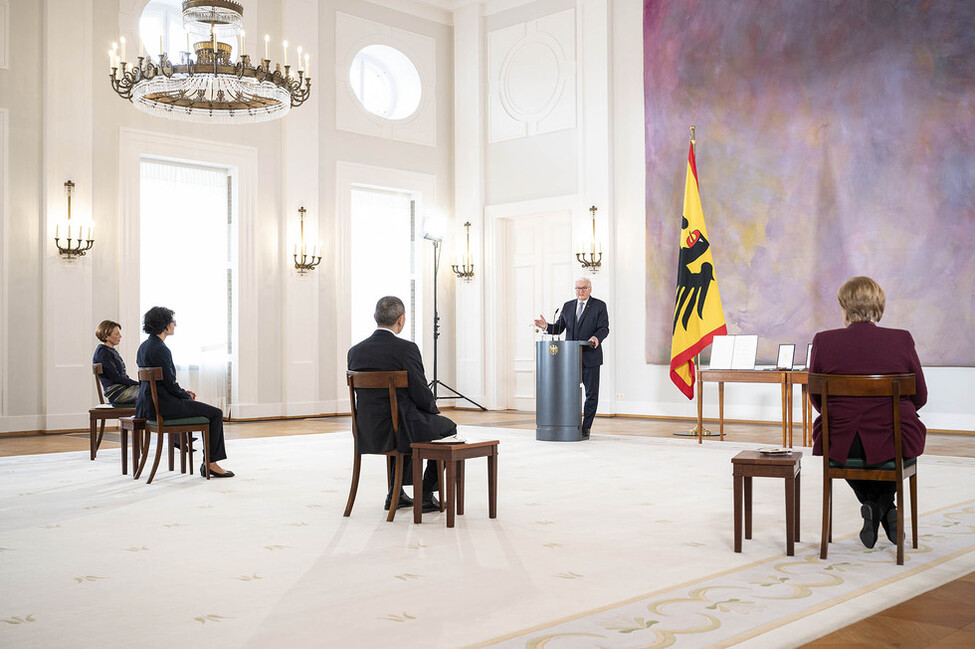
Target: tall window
[(185, 264), (384, 261)]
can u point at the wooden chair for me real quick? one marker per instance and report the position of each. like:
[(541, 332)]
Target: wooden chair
[(894, 386), (182, 426), (394, 459), (97, 416)]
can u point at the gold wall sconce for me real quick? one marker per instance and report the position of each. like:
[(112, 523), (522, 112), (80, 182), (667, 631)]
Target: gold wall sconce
[(591, 260), (304, 261), (78, 238), (464, 268)]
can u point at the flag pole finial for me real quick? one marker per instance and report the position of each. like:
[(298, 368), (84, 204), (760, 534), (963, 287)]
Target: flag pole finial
[(692, 132)]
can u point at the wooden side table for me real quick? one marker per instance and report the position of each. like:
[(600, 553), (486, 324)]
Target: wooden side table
[(454, 455), (753, 464)]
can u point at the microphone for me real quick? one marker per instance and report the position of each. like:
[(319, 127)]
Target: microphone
[(555, 317)]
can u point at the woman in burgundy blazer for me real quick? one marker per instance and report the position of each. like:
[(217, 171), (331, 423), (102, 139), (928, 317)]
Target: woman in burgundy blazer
[(862, 427)]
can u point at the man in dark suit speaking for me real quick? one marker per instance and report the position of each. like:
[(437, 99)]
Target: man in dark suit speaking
[(584, 318), (420, 420)]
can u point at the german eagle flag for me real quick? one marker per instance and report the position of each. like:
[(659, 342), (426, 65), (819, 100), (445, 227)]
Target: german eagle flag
[(697, 311)]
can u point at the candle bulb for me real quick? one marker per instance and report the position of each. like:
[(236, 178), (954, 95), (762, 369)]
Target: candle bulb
[(307, 68), (285, 53), (122, 41), (267, 40), (188, 42), (240, 46), (142, 52), (299, 58), (160, 46)]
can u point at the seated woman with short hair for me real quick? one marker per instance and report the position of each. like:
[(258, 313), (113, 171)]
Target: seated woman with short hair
[(863, 427), (174, 401), (117, 387)]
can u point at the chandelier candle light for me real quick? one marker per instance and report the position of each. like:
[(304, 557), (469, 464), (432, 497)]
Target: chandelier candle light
[(205, 85), (592, 260), (303, 261), (79, 237), (465, 270)]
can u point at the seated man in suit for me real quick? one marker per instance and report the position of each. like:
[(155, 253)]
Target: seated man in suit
[(420, 420)]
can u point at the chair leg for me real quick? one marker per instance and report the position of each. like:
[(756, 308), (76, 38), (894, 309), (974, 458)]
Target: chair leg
[(172, 455), (397, 487), (123, 438), (900, 523), (189, 450), (160, 441), (92, 447), (205, 434), (145, 438), (914, 511), (101, 433), (355, 485), (827, 532)]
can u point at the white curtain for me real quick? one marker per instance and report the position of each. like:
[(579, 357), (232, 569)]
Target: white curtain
[(185, 265), (384, 259)]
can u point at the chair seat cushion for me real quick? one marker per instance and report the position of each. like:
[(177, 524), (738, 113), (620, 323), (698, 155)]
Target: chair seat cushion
[(181, 421), (130, 404), (860, 463)]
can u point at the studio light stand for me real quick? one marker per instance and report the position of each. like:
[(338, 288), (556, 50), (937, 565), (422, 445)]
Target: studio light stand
[(436, 382)]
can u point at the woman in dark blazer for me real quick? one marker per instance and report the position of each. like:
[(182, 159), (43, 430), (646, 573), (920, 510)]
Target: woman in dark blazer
[(862, 427), (117, 387), (174, 401)]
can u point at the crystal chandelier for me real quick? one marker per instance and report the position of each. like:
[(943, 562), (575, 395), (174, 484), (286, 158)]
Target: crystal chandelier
[(205, 85)]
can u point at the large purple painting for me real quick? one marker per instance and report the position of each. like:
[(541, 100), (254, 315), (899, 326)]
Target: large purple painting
[(833, 139)]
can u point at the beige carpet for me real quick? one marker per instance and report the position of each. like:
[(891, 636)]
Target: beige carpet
[(617, 542)]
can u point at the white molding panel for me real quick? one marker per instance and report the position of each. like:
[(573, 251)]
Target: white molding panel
[(532, 77)]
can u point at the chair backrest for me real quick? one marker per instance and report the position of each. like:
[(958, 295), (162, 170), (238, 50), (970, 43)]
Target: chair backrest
[(894, 386), (376, 381), (96, 370), (151, 375)]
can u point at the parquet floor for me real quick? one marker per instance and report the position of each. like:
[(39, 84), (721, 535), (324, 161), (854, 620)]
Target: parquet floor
[(939, 619)]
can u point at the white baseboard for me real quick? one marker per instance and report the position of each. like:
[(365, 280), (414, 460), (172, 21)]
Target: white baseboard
[(21, 423)]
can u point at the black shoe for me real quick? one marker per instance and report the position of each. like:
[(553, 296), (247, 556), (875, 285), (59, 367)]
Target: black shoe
[(585, 433), (889, 521), (214, 474), (404, 501), (430, 504), (871, 522)]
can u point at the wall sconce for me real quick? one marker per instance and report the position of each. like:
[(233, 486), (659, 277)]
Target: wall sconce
[(80, 239), (465, 271), (592, 260), (303, 261)]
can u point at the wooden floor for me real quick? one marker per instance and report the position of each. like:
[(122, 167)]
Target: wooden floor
[(941, 618)]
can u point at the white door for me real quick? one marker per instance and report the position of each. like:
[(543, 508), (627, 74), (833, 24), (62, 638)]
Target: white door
[(538, 279)]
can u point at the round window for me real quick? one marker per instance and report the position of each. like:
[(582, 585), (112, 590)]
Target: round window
[(385, 82)]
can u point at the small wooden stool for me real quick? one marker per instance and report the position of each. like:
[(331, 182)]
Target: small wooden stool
[(137, 426), (754, 464), (454, 455)]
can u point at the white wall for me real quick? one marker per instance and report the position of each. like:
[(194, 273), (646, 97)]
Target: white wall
[(596, 157)]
